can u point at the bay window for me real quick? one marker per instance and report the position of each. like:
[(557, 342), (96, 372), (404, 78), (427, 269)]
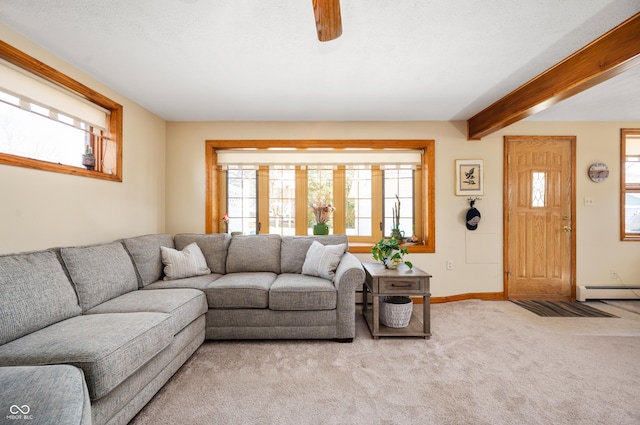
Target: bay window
[(273, 187)]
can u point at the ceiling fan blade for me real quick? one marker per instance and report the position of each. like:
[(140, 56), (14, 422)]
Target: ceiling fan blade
[(328, 20)]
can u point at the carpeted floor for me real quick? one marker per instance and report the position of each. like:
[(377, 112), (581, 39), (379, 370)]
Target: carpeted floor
[(488, 362), (561, 309), (629, 305)]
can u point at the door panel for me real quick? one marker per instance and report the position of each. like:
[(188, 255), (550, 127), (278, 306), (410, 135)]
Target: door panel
[(539, 212)]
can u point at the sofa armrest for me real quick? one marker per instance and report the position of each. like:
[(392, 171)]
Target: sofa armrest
[(349, 275)]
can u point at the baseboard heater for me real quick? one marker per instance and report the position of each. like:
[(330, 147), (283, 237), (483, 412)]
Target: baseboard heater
[(588, 292)]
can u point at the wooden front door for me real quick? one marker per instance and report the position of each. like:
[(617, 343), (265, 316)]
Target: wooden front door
[(539, 217)]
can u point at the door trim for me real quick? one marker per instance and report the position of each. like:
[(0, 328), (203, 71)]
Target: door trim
[(505, 207)]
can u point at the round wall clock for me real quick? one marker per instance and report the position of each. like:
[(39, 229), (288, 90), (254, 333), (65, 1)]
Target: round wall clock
[(598, 172)]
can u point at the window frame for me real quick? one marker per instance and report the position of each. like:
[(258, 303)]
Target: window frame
[(113, 132), (215, 194), (624, 188)]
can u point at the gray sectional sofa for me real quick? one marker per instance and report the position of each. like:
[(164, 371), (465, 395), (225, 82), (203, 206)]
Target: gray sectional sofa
[(127, 314)]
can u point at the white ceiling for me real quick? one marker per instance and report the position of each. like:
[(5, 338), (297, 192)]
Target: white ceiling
[(260, 60)]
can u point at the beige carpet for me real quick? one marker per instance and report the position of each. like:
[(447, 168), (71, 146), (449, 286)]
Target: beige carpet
[(629, 305), (488, 362)]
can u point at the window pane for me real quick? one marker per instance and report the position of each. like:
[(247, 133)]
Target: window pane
[(632, 212), (359, 209), (320, 192), (398, 186), (632, 171), (241, 201), (538, 189), (33, 136), (282, 201)]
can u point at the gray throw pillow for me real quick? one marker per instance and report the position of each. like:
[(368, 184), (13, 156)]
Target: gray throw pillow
[(186, 263), (322, 260)]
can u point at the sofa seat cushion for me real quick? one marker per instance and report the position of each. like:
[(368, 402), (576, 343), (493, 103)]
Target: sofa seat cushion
[(100, 272), (44, 395), (184, 305), (35, 292), (107, 347), (240, 290), (301, 292), (196, 282)]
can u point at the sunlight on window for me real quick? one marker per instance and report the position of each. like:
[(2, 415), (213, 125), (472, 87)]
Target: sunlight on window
[(359, 203), (242, 201), (282, 201), (33, 136)]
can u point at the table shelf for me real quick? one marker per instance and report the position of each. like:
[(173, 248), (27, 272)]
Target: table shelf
[(380, 282)]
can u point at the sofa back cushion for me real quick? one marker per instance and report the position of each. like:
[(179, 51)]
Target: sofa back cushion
[(254, 253), (213, 246), (99, 272), (145, 252), (294, 249), (34, 293)]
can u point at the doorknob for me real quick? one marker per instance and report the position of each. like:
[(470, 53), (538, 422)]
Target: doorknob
[(566, 229)]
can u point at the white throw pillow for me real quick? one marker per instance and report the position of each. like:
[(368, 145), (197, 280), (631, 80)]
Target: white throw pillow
[(322, 260), (186, 263)]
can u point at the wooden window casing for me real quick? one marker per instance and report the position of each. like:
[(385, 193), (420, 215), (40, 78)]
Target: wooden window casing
[(112, 136), (424, 189), (625, 188)]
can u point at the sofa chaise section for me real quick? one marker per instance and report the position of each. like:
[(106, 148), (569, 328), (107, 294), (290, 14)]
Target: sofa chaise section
[(81, 306), (44, 395)]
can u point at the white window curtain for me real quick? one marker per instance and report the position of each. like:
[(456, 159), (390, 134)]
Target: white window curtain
[(33, 94), (387, 158)]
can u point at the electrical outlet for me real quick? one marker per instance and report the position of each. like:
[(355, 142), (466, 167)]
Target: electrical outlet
[(449, 264), (613, 274)]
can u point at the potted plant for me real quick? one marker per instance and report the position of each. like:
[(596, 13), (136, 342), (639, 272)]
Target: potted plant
[(396, 233), (390, 253), (322, 212)]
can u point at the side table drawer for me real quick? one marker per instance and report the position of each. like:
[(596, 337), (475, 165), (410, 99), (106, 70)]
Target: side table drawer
[(389, 286)]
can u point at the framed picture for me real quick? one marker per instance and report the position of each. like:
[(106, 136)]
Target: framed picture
[(469, 177)]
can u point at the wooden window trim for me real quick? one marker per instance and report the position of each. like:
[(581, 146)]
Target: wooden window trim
[(624, 188), (426, 188), (114, 132)]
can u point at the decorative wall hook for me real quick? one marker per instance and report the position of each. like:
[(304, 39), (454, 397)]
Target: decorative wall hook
[(472, 201)]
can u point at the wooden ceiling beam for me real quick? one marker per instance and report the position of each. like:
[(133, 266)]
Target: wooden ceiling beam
[(604, 58)]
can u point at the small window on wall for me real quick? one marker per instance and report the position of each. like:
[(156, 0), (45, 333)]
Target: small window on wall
[(630, 184), (50, 122)]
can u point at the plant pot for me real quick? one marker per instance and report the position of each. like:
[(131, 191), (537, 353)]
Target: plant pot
[(321, 229), (390, 262), (395, 312), (397, 234), (89, 161)]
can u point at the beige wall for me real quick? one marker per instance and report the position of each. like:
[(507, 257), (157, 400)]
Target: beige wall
[(43, 209), (477, 256)]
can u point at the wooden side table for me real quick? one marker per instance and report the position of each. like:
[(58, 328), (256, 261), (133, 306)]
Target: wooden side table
[(380, 281)]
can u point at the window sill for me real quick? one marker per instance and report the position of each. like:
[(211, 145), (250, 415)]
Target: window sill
[(361, 248)]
